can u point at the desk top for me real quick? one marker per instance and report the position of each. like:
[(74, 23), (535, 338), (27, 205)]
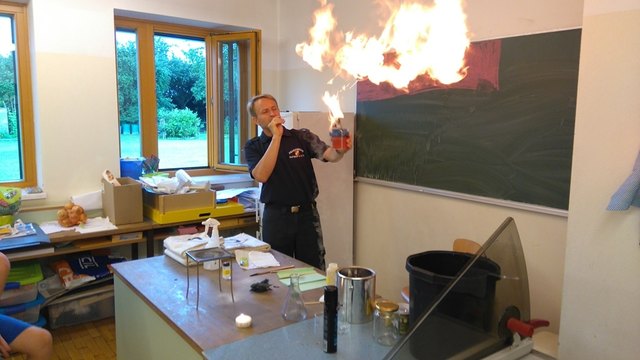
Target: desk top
[(162, 283)]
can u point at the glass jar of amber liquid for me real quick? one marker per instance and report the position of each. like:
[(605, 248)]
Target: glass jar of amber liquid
[(385, 324)]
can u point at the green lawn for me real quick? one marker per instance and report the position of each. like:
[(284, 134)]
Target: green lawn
[(9, 160), (174, 153)]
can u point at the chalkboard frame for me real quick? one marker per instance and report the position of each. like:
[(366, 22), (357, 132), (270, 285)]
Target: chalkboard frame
[(548, 63)]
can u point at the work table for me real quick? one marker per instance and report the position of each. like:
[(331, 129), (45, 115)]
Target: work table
[(155, 320)]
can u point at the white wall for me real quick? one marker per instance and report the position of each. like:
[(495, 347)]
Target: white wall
[(392, 224), (600, 308), (75, 80)]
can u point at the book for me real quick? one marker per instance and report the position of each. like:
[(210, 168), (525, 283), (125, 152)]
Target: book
[(33, 238)]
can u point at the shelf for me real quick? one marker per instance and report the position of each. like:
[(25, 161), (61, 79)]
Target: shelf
[(67, 236), (69, 242), (76, 247)]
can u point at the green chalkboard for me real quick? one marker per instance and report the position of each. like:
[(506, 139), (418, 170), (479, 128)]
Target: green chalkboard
[(505, 132)]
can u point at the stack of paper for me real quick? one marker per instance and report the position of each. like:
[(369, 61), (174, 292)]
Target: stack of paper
[(309, 278), (248, 197), (245, 241)]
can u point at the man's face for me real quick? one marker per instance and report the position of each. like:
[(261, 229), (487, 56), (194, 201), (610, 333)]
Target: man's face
[(266, 109)]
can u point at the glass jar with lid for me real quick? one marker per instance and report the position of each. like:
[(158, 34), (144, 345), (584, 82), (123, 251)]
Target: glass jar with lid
[(385, 325)]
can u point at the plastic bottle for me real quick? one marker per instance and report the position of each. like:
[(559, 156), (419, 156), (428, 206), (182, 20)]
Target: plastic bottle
[(332, 269), (214, 241)]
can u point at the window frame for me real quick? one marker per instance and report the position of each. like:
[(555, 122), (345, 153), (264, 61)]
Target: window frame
[(24, 95), (254, 83), (145, 31)]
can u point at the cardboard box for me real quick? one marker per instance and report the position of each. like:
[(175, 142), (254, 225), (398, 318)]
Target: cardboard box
[(178, 215), (230, 208), (165, 203), (122, 204)]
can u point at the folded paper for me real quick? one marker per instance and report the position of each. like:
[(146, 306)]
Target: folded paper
[(255, 259)]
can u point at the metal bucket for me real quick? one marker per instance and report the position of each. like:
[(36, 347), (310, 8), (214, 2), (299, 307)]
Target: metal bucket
[(356, 294)]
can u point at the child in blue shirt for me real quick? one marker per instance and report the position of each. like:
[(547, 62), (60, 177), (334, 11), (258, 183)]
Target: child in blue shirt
[(19, 336)]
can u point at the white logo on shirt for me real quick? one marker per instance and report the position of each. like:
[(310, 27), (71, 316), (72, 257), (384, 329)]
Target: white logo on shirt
[(296, 153)]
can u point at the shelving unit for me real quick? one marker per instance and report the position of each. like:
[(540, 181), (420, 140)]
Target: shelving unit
[(69, 242)]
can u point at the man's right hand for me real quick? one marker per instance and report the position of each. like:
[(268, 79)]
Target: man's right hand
[(276, 126)]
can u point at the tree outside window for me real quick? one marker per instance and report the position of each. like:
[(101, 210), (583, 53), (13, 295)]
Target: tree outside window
[(163, 91)]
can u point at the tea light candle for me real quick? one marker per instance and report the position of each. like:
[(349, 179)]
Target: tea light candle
[(243, 321)]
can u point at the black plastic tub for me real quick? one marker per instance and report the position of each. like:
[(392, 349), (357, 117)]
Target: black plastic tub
[(470, 300)]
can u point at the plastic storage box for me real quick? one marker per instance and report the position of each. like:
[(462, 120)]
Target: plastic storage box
[(22, 284), (78, 308), (27, 312), (131, 167)]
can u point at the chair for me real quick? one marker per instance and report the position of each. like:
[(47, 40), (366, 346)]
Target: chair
[(459, 245), (466, 246)]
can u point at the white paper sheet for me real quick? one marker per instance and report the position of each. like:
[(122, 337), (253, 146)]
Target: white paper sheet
[(88, 201), (92, 225), (230, 193)]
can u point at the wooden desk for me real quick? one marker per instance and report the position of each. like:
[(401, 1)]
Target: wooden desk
[(154, 320)]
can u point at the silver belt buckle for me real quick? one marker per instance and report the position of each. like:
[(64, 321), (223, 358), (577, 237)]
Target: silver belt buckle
[(295, 209)]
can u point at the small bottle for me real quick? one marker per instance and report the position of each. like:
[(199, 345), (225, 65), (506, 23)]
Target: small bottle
[(293, 308), (385, 329), (403, 319), (226, 270), (330, 334), (332, 269)]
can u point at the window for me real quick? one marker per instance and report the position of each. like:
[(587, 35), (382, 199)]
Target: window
[(174, 102), (233, 77), (17, 139)]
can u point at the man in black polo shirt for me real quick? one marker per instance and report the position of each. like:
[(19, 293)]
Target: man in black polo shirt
[(280, 159)]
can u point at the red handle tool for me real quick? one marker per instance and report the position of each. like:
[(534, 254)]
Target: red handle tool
[(525, 329)]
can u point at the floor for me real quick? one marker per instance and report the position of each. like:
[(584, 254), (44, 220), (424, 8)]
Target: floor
[(88, 341)]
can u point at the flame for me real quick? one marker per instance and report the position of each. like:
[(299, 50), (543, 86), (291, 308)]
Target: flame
[(335, 112), (416, 39), (314, 53)]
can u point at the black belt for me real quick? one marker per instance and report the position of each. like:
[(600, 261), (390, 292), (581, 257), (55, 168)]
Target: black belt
[(293, 209)]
